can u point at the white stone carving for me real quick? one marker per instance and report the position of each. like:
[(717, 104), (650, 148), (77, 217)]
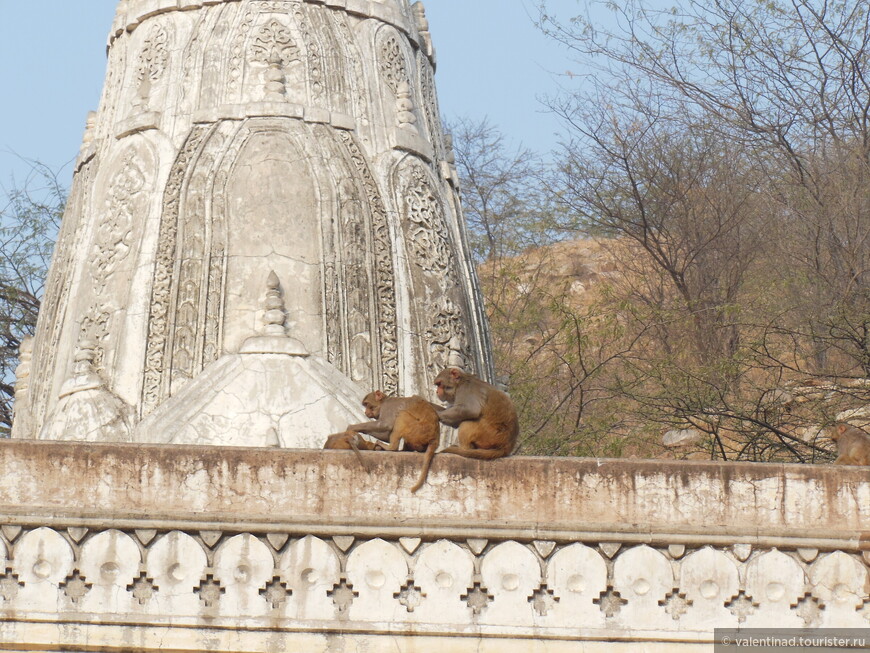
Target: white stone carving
[(242, 565), (304, 585), (444, 572), (577, 574), (151, 64), (43, 560), (643, 579), (176, 569), (311, 570), (377, 571), (510, 573), (109, 562), (234, 138), (710, 579), (774, 582), (216, 549), (86, 409), (273, 393), (839, 581)]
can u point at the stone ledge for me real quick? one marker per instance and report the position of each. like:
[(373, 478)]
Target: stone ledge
[(142, 485), (159, 547)]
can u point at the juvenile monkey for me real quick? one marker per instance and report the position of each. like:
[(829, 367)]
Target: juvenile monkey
[(853, 445), (412, 419), (351, 440), (486, 417)]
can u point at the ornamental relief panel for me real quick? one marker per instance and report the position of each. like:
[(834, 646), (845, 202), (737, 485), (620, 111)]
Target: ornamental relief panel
[(355, 79), (282, 52), (275, 52), (121, 211), (385, 311), (339, 81), (398, 76), (199, 274), (391, 61), (198, 61), (215, 219), (273, 42), (271, 53), (151, 65), (355, 283), (223, 54), (155, 379), (318, 76), (443, 317)]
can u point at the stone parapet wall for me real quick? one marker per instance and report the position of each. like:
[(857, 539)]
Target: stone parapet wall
[(231, 549)]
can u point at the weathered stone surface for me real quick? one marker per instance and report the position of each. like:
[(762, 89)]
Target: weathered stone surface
[(642, 500), (244, 542), (237, 138)]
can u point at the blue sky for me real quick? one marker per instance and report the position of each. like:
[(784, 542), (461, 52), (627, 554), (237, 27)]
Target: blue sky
[(492, 62)]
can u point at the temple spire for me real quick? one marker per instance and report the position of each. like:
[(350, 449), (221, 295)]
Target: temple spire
[(239, 141)]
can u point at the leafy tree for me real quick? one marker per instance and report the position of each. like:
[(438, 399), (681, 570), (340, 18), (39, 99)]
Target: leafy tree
[(724, 146)]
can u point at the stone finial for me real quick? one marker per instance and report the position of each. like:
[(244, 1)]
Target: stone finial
[(86, 409), (275, 316), (418, 10), (450, 152), (84, 377), (274, 338), (405, 108), (88, 136), (275, 83), (22, 372), (21, 426)]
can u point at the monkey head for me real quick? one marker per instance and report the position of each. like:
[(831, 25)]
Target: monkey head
[(372, 404), (446, 383)]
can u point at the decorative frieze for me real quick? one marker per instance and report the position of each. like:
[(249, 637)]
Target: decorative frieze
[(311, 582)]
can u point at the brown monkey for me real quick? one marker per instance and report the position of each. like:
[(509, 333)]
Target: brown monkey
[(351, 440), (486, 417), (853, 445), (412, 419)]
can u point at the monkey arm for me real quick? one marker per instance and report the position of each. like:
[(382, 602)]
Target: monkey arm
[(467, 405), (375, 426), (455, 415), (379, 429)]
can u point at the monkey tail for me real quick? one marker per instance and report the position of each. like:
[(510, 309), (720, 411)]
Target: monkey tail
[(427, 461), (359, 456), (478, 454)]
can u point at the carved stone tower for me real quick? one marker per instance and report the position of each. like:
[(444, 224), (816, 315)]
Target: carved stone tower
[(263, 225)]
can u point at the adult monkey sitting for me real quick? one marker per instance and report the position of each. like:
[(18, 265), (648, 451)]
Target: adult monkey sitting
[(486, 417), (412, 419)]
